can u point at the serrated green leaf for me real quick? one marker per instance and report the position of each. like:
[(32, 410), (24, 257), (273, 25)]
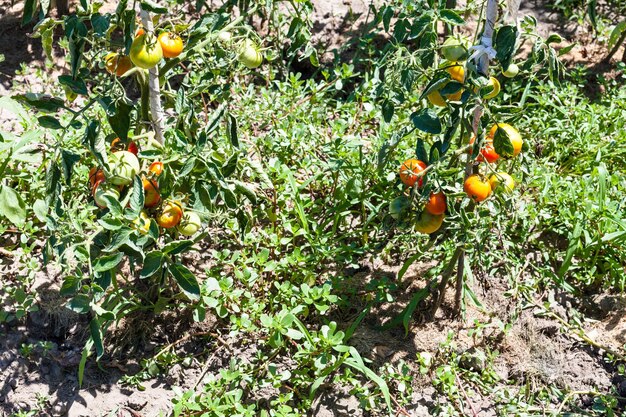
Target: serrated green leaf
[(152, 263), (427, 121), (505, 40), (502, 143), (153, 7), (77, 85), (49, 122), (12, 206), (452, 17), (107, 262), (178, 246), (186, 280)]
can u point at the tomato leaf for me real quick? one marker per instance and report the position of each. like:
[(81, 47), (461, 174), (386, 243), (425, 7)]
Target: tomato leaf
[(452, 17), (49, 122), (53, 182), (231, 131), (30, 11), (110, 223), (96, 143), (12, 205), (152, 263), (100, 23), (75, 32), (440, 79), (103, 280), (502, 143), (505, 40), (41, 102), (79, 304), (137, 199), (151, 6), (420, 150), (428, 43), (246, 190), (120, 238), (186, 280), (388, 110), (177, 247), (108, 262), (76, 85), (69, 159), (120, 121), (427, 121), (96, 336), (451, 88)]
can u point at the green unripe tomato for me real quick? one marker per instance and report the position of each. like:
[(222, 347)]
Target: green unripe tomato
[(456, 48), (398, 206), (249, 54), (189, 224), (501, 181), (123, 166), (146, 51), (511, 71), (225, 36), (104, 189)]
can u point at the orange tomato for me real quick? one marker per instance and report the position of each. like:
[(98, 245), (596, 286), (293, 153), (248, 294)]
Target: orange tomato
[(513, 134), (436, 203), (170, 214), (117, 64), (477, 188), (95, 175), (171, 43), (488, 152), (150, 192), (408, 171), (156, 168)]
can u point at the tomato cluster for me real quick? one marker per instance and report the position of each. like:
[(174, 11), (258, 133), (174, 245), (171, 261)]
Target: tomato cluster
[(146, 52), (450, 89), (123, 166)]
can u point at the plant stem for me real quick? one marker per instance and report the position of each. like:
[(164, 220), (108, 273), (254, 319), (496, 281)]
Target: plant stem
[(483, 67), (445, 277), (154, 91), (616, 48), (458, 296)]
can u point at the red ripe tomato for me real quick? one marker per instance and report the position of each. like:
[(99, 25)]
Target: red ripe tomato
[(408, 171), (132, 148), (488, 152), (436, 203), (171, 43), (95, 175)]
